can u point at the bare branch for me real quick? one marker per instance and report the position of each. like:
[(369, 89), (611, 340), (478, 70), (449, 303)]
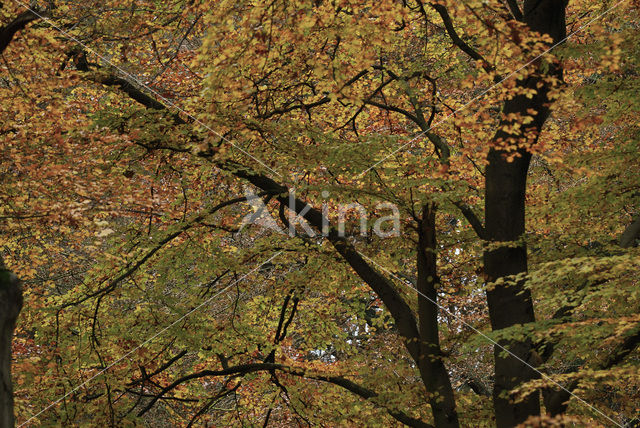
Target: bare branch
[(244, 369)]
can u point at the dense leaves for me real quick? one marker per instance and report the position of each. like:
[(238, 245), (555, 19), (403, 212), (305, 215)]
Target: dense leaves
[(135, 133)]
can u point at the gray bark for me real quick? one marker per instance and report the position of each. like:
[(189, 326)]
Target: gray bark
[(631, 234)]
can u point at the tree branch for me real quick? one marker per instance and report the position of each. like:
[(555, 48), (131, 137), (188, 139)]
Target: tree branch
[(321, 101), (244, 369), (108, 79), (170, 237), (397, 306), (432, 369), (8, 31), (473, 219), (631, 234), (515, 9), (556, 401), (145, 377), (387, 107), (435, 139), (455, 38)]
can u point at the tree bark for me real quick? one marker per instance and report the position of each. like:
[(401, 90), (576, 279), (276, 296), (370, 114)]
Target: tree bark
[(432, 369), (19, 23), (510, 303), (631, 234), (10, 305), (421, 338)]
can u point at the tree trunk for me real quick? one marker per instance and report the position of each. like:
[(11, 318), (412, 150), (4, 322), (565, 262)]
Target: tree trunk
[(505, 189), (508, 304), (631, 234), (10, 305), (432, 369)]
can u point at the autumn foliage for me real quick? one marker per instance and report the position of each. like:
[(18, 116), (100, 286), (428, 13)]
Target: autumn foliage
[(503, 135)]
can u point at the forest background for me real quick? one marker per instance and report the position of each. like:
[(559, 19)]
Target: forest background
[(503, 135)]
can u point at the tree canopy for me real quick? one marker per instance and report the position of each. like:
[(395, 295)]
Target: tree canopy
[(320, 213)]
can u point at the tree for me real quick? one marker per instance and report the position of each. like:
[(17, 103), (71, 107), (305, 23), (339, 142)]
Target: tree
[(350, 99), (10, 305), (10, 288)]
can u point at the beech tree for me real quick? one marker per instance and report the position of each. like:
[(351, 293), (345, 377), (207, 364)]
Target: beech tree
[(141, 133), (10, 288)]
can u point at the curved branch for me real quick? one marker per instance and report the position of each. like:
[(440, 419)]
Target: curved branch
[(402, 111), (108, 79), (170, 237), (8, 31), (243, 369), (455, 38), (473, 219), (321, 101), (397, 306), (147, 376), (435, 139)]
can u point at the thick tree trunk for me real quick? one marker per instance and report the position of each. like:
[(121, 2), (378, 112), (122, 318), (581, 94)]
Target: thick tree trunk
[(432, 369), (10, 289), (10, 305), (509, 303)]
